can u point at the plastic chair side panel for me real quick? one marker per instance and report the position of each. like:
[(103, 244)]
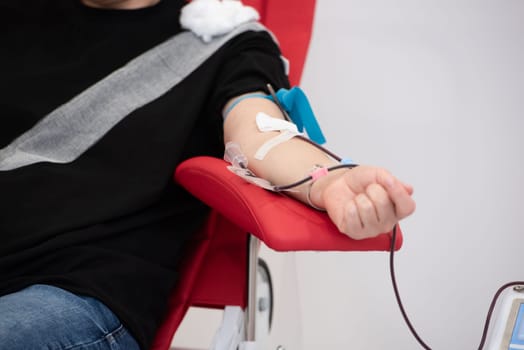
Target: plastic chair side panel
[(222, 279)]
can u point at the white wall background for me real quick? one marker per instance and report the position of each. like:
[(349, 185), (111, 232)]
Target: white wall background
[(434, 91)]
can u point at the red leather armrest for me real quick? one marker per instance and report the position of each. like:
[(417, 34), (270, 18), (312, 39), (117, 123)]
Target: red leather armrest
[(282, 223)]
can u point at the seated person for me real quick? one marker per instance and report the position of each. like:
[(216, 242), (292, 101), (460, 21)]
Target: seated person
[(101, 99)]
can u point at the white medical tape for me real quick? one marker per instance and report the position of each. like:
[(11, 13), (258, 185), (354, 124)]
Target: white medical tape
[(268, 123), (269, 144)]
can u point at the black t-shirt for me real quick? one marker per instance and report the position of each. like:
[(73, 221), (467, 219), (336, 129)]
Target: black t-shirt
[(110, 224)]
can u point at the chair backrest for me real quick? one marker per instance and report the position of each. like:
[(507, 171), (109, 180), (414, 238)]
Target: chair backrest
[(214, 274), (291, 21)]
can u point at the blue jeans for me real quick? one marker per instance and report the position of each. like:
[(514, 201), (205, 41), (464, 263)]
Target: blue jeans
[(50, 318)]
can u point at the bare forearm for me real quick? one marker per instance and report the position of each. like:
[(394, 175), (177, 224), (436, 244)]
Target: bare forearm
[(362, 202), (285, 163)]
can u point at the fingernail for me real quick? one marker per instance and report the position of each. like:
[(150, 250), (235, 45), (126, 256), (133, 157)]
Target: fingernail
[(390, 181)]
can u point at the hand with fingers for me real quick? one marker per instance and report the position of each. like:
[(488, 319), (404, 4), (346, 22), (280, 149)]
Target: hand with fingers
[(364, 201)]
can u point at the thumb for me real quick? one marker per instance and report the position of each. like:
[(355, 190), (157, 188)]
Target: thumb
[(407, 187)]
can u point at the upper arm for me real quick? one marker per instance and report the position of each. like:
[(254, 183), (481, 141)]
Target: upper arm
[(250, 61)]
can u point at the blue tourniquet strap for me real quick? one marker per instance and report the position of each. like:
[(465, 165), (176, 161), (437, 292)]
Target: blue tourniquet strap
[(296, 104)]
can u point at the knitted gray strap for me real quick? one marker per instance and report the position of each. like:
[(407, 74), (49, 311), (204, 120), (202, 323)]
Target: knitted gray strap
[(71, 129)]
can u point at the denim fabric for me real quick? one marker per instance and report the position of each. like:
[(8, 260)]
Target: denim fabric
[(50, 318)]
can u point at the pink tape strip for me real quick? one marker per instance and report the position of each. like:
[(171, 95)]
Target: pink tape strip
[(318, 173)]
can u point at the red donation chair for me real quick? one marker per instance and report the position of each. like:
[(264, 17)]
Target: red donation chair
[(220, 269)]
